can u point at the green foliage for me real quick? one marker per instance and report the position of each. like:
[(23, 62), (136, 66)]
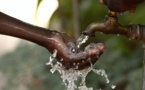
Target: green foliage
[(26, 67)]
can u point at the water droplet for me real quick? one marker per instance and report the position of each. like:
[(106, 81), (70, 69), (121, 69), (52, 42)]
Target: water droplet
[(61, 59), (113, 86), (107, 80), (73, 50)]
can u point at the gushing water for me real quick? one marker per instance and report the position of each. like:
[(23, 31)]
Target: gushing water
[(70, 76), (82, 39)]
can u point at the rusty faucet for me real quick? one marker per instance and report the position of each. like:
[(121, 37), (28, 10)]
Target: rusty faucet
[(110, 25)]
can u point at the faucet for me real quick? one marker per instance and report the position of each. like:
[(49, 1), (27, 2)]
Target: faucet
[(110, 25)]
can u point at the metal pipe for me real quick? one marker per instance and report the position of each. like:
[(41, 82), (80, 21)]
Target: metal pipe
[(143, 74), (111, 26), (76, 15), (142, 33)]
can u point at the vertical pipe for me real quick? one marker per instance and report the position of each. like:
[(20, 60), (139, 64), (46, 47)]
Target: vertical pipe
[(76, 15), (142, 37), (142, 33), (143, 76), (61, 17)]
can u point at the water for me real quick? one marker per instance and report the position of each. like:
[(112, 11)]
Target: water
[(51, 58), (82, 39), (102, 73), (70, 76), (113, 86)]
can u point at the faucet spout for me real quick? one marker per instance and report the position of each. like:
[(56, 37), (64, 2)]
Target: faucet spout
[(110, 25)]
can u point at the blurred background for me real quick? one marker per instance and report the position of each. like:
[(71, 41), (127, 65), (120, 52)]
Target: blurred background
[(22, 63)]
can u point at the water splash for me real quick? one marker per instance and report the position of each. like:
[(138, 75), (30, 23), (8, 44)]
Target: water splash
[(71, 75), (51, 58), (102, 73)]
